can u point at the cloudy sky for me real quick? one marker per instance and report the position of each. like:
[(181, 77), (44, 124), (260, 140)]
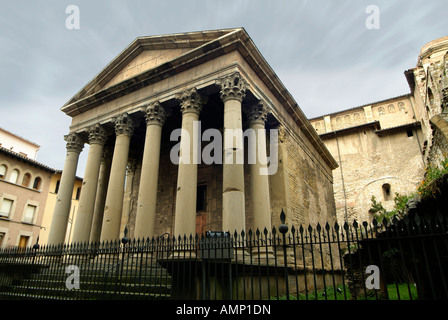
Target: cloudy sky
[(321, 50)]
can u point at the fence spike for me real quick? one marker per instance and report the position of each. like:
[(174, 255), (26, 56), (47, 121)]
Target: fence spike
[(310, 228), (282, 217)]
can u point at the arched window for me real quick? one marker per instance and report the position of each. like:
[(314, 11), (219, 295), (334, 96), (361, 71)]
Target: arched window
[(37, 183), (386, 192), (347, 119), (26, 180), (3, 170), (14, 176)]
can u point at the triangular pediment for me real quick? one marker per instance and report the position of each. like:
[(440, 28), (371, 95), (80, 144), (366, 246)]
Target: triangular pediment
[(146, 53)]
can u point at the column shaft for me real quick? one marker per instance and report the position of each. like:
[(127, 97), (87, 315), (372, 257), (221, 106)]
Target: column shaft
[(63, 202), (114, 199), (147, 197), (103, 181), (232, 92), (185, 213), (97, 138), (259, 179)]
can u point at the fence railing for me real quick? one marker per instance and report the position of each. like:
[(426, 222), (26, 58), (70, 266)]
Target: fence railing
[(401, 259)]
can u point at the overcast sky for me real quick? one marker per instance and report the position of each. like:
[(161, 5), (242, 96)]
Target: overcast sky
[(321, 50)]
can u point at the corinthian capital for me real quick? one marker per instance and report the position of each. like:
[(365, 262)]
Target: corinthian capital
[(124, 125), (191, 101), (155, 114), (97, 134), (232, 87), (74, 142), (257, 113)]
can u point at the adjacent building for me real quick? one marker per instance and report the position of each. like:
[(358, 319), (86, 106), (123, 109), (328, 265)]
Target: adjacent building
[(24, 185), (28, 190), (379, 148), (382, 148)]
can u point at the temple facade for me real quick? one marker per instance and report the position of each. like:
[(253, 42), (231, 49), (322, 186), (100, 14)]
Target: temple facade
[(187, 133)]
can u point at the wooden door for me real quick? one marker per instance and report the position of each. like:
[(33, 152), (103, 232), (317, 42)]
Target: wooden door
[(23, 241), (200, 223)]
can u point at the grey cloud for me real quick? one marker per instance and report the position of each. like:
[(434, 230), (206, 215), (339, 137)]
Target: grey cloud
[(320, 49)]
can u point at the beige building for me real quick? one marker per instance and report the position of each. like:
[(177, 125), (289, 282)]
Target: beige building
[(172, 124), (383, 147), (24, 185), (17, 144), (28, 192), (379, 150)]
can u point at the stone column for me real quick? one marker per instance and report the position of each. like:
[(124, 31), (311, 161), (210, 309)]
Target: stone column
[(124, 129), (63, 201), (103, 181), (233, 88), (185, 214), (147, 194), (97, 139), (259, 179)]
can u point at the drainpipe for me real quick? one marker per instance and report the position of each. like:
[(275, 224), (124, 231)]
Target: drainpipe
[(342, 178)]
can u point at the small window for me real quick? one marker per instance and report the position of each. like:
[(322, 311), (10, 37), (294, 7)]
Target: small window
[(386, 192), (2, 171), (56, 189), (6, 207), (78, 193), (37, 183), (201, 198), (410, 133), (2, 236), (14, 176), (26, 180), (29, 214)]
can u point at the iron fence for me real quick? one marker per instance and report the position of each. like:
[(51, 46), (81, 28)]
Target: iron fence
[(401, 259)]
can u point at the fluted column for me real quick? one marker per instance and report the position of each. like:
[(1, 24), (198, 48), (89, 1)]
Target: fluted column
[(233, 88), (259, 179), (185, 215), (124, 129), (103, 182), (147, 195), (83, 225), (63, 201)]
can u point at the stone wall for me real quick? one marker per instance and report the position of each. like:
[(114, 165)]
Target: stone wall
[(378, 148)]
